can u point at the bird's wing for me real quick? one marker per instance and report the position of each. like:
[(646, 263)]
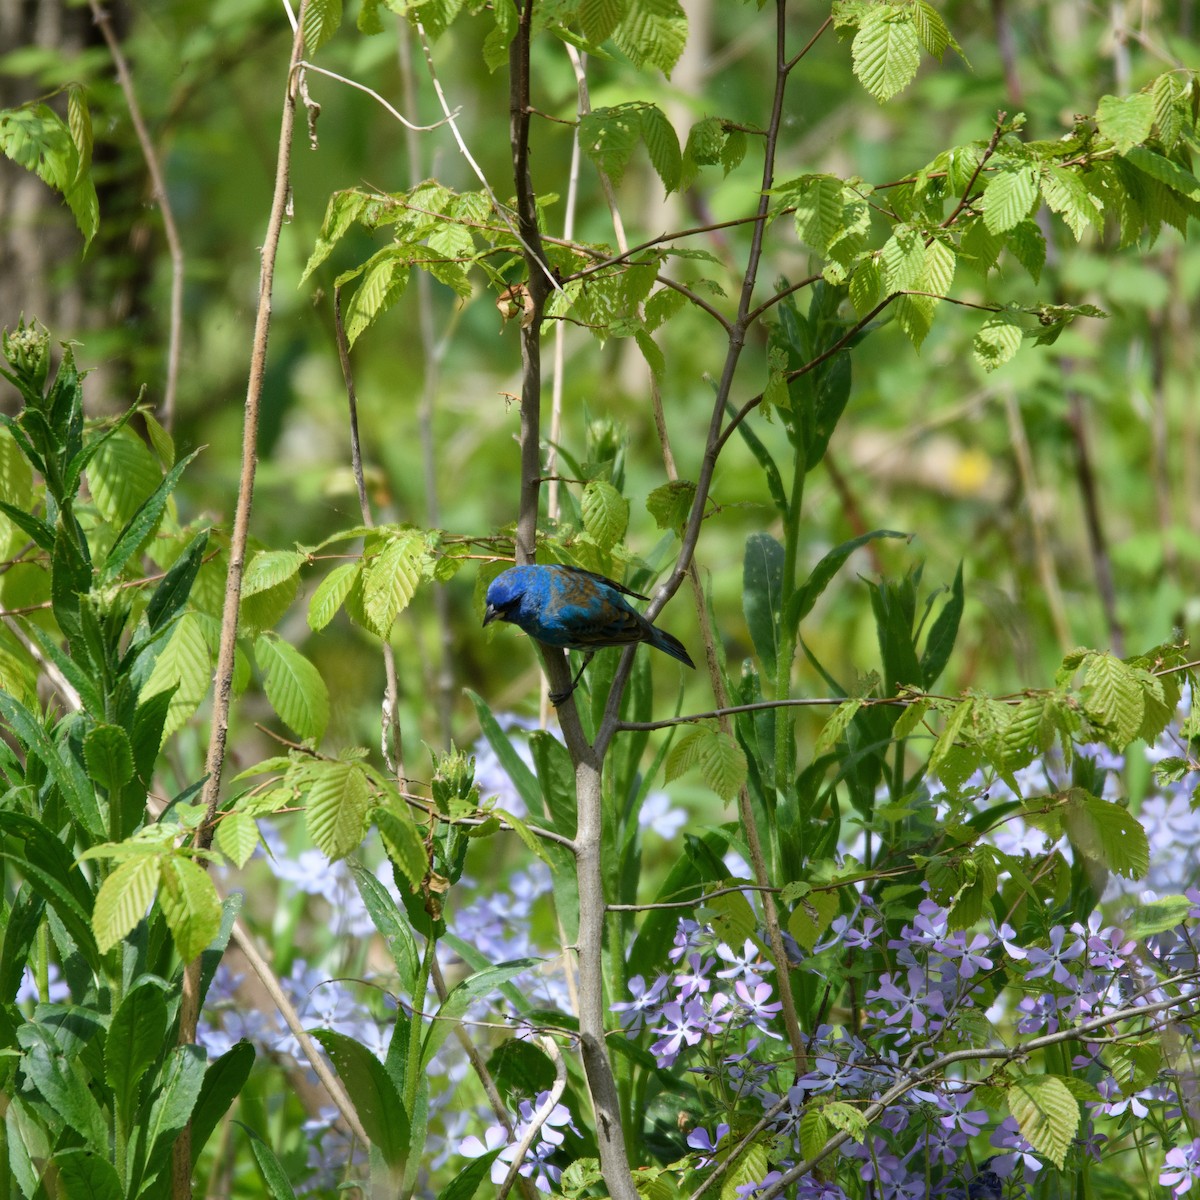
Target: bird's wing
[(603, 579)]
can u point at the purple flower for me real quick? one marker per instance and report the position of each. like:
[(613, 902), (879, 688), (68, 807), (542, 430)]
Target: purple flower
[(1182, 1168), (682, 1026), (644, 1003), (699, 1139), (1054, 960), (749, 965), (754, 1004), (696, 980)]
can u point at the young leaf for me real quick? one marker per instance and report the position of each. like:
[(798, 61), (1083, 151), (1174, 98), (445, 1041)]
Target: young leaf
[(1009, 196), (124, 898), (391, 578), (662, 144), (998, 339), (1046, 1113), (336, 807), (190, 903), (605, 513), (293, 685), (1126, 120), (331, 594), (886, 51), (653, 33), (803, 599)]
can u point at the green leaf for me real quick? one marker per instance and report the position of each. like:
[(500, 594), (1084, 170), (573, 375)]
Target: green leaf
[(36, 138), (998, 339), (391, 578), (122, 476), (1027, 244), (1113, 699), (653, 33), (474, 987), (372, 1092), (600, 17), (134, 1041), (321, 21), (819, 211), (384, 278), (79, 122), (1009, 196), (609, 136), (390, 923), (932, 30), (109, 756), (331, 593), (190, 903), (84, 1175), (124, 898), (336, 808), (803, 599), (466, 1183), (275, 1177), (269, 568), (685, 754), (940, 642), (605, 513), (185, 665), (835, 727), (343, 209), (61, 1081), (902, 259), (762, 596), (175, 587), (1107, 833), (403, 842), (1067, 195), (237, 837), (223, 1081), (886, 51), (1126, 120), (143, 522), (293, 685), (662, 144), (1157, 916), (1165, 171), (1046, 1114)]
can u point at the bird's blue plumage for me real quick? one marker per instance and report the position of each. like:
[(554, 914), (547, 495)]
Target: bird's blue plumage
[(574, 609)]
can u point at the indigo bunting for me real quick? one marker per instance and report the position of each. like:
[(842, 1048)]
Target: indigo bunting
[(574, 609)]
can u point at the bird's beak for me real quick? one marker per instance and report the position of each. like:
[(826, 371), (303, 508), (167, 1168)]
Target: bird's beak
[(490, 614)]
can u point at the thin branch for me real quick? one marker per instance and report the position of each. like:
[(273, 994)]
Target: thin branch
[(170, 229), (223, 683), (697, 300), (540, 1117), (666, 904), (391, 739), (812, 41), (304, 64), (987, 154), (783, 294), (1077, 1033), (266, 976), (451, 120)]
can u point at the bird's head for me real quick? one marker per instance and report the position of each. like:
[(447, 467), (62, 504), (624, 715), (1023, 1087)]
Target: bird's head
[(504, 595)]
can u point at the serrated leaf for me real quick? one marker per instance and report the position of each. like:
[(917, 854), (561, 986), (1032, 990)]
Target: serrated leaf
[(1107, 833), (1027, 244), (722, 764), (336, 807), (813, 914), (662, 144), (911, 717), (608, 136), (998, 339), (331, 594), (184, 664), (685, 754), (384, 276), (1067, 195), (343, 209), (835, 727), (1113, 699), (599, 18), (653, 33), (391, 578), (902, 259), (189, 901), (109, 756), (294, 687), (403, 842), (931, 29), (321, 21), (123, 899), (1009, 196), (1165, 171), (270, 568), (121, 477), (1125, 120), (886, 51), (237, 837), (818, 211), (1046, 1114), (605, 513), (866, 285)]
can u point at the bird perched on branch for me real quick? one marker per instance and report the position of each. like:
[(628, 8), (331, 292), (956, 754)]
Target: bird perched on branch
[(574, 609)]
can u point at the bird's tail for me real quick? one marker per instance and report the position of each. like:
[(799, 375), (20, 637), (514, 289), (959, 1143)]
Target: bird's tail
[(668, 644)]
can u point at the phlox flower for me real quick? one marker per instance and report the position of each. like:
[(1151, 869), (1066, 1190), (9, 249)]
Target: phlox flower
[(1182, 1168), (1053, 961), (644, 1003)]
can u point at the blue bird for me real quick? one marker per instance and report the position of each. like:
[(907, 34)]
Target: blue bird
[(575, 610)]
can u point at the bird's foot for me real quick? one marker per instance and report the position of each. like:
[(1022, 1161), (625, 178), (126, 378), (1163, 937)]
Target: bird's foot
[(557, 698)]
